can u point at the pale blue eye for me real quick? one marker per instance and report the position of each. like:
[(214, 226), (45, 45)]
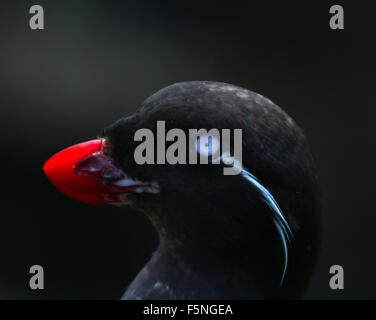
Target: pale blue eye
[(208, 146)]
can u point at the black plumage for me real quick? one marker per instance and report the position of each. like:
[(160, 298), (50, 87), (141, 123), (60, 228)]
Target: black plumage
[(217, 238)]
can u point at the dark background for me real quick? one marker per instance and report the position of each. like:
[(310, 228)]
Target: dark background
[(97, 60)]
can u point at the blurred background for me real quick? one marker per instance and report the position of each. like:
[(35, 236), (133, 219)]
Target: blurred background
[(96, 61)]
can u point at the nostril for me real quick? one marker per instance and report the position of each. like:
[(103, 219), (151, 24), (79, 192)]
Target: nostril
[(99, 166), (92, 165)]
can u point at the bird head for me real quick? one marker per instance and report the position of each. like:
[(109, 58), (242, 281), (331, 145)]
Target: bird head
[(268, 209)]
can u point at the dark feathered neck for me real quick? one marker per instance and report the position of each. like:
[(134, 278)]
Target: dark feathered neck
[(172, 275)]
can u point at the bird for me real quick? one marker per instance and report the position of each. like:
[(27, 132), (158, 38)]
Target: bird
[(251, 235)]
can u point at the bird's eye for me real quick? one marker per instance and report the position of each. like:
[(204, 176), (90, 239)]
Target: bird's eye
[(208, 145)]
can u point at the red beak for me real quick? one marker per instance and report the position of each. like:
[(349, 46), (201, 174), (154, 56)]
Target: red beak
[(78, 172), (85, 173)]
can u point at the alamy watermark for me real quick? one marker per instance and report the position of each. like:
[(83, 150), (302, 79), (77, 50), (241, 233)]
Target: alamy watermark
[(37, 280), (203, 147), (337, 20), (37, 19), (337, 279)]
